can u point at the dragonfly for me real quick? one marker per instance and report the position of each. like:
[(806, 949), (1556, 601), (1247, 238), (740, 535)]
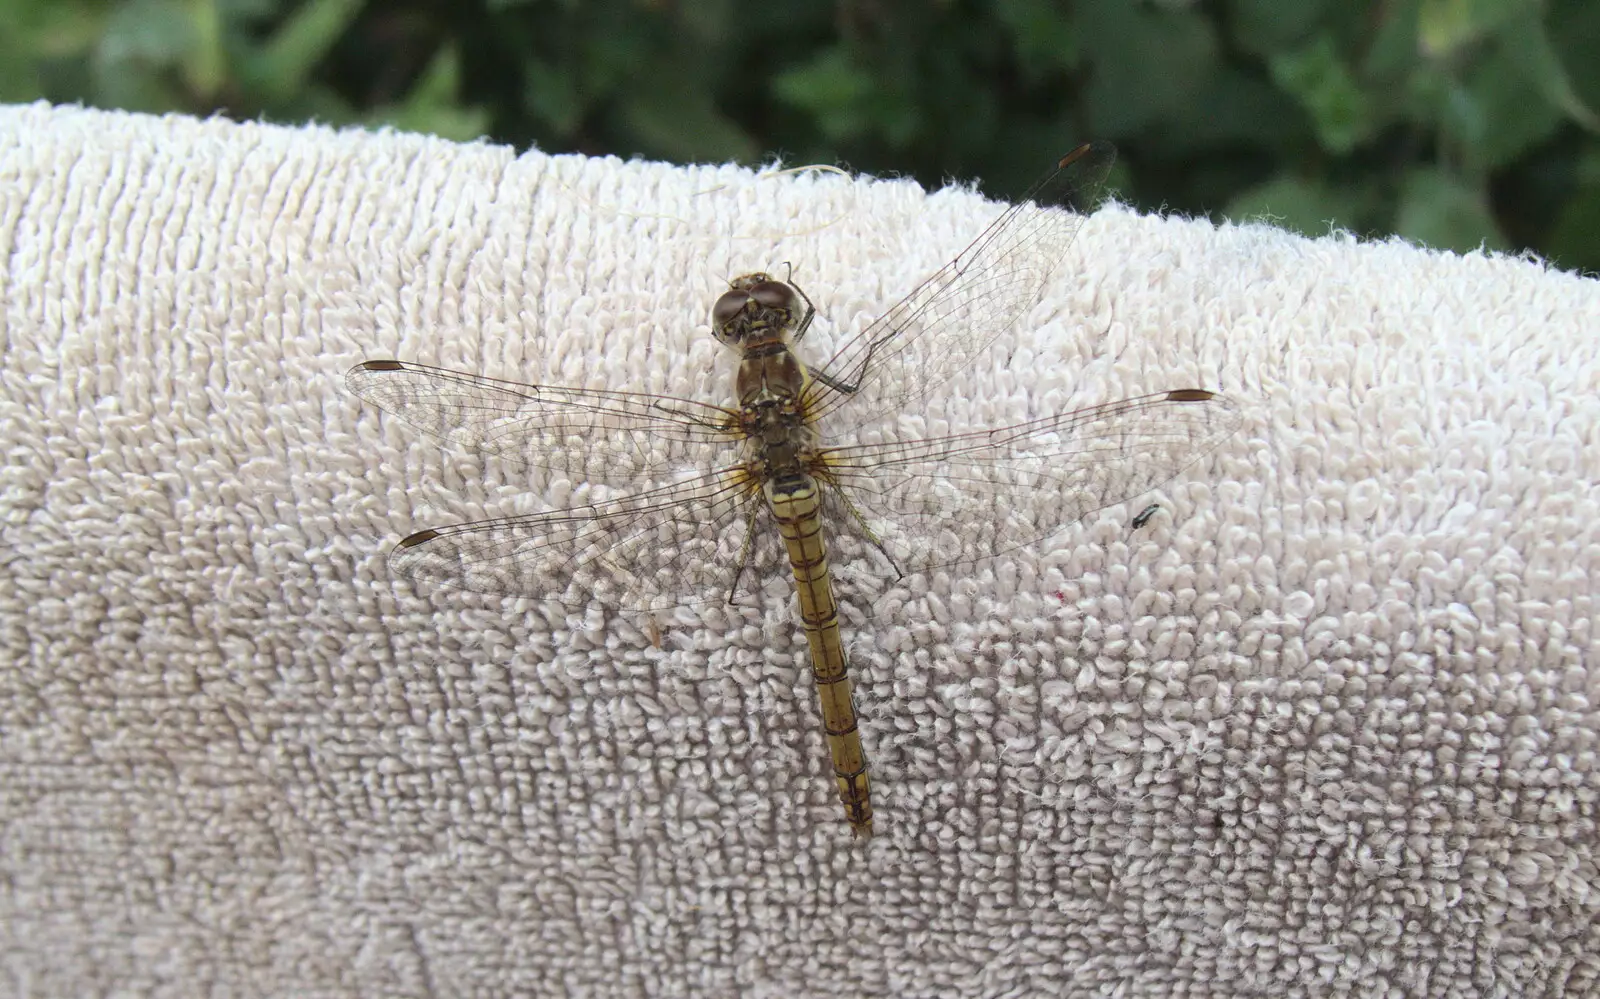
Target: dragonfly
[(714, 502)]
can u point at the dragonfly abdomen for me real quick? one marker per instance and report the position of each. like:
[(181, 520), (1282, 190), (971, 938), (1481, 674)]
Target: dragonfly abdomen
[(796, 504)]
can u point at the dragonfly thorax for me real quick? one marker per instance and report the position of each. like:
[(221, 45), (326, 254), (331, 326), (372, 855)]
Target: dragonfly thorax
[(755, 308), (769, 388)]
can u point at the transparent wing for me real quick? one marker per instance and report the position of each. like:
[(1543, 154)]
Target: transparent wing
[(679, 544), (956, 314), (596, 435), (951, 500)]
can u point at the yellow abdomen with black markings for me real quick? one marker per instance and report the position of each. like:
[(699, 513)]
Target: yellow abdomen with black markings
[(796, 504)]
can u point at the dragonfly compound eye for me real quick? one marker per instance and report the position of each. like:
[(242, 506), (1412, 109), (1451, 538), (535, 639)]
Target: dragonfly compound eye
[(775, 295), (727, 312)]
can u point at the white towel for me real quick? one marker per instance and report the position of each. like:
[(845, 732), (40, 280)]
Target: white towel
[(1324, 725)]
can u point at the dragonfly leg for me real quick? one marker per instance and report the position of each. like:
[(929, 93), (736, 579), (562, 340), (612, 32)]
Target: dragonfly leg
[(834, 383), (745, 550), (867, 532), (811, 311), (697, 419), (865, 364), (800, 332)]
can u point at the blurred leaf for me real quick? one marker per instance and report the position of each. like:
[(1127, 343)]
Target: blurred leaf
[(1439, 211), (285, 63), (1045, 38), (832, 90), (1528, 43), (1587, 169), (1235, 107), (241, 11), (1308, 208), (607, 63), (1444, 27), (707, 23), (680, 125), (19, 78), (205, 68), (52, 30), (1126, 93), (1266, 26), (33, 32), (1463, 116), (1393, 50), (1573, 26), (152, 32), (123, 86), (430, 107), (551, 95), (134, 64), (1503, 113), (1575, 239), (1339, 110)]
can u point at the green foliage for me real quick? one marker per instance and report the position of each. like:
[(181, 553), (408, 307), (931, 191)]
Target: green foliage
[(1457, 123), (245, 58)]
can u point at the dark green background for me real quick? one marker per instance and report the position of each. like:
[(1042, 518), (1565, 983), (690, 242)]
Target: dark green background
[(1451, 122)]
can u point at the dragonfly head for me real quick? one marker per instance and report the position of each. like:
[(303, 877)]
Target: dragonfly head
[(756, 307)]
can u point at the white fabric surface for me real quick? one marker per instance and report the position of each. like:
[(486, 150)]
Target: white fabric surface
[(1325, 726)]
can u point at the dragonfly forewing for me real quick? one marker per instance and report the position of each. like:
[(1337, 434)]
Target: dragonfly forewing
[(956, 315), (618, 438)]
